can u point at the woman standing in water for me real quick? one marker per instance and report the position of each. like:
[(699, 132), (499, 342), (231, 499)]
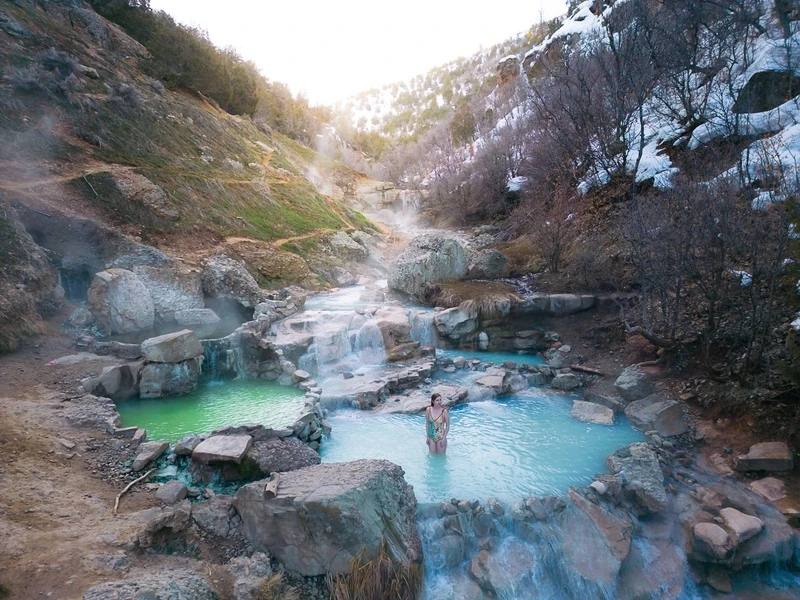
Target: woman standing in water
[(437, 425)]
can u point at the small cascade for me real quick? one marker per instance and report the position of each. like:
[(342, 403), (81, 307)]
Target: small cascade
[(222, 360), (369, 348), (423, 329)]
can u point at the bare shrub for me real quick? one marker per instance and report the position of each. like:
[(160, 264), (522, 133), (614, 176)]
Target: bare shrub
[(124, 95), (63, 63), (28, 79), (377, 579)]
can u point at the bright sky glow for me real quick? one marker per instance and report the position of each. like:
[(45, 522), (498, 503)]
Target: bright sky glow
[(329, 50)]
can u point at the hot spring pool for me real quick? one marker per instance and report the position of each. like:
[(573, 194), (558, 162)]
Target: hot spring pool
[(212, 405), (522, 445)]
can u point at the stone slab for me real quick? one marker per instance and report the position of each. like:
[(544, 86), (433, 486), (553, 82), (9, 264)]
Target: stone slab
[(222, 449)]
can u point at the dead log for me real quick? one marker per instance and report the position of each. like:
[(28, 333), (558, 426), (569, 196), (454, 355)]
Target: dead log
[(271, 488), (588, 370), (129, 486)]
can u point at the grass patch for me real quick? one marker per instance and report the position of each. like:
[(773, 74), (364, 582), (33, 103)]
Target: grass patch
[(5, 591), (377, 579), (277, 588)]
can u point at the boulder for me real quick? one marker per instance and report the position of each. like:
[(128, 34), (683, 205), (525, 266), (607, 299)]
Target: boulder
[(120, 302), (741, 526), (172, 347), (216, 516), (503, 571), (325, 515), (222, 449), (770, 488), (589, 412), (395, 328), (92, 411), (418, 401), (426, 260), (643, 477), (633, 384), (224, 277), (171, 289), (167, 528), (565, 382), (119, 382), (170, 379), (558, 305), (132, 188), (186, 445), (250, 573), (196, 318), (487, 264), (767, 456), (172, 492), (657, 412), (345, 247), (613, 402), (148, 452), (459, 321), (712, 541), (281, 455)]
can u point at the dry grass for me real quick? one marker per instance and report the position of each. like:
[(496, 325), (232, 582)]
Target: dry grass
[(453, 293), (380, 578), (277, 588)]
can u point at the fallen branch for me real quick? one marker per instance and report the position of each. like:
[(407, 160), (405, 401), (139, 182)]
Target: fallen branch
[(588, 370), (39, 212), (129, 486), (651, 337), (271, 489), (649, 363), (90, 185)]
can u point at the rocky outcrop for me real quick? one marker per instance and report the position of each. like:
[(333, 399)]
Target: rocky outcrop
[(395, 328), (323, 516), (642, 476), (172, 347), (120, 302), (428, 259), (91, 411), (342, 246), (224, 277), (633, 384), (176, 584), (171, 289), (659, 413), (487, 264), (557, 305), (282, 455), (170, 379)]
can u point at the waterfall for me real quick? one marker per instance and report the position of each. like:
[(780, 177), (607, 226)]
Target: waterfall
[(369, 347), (423, 329)]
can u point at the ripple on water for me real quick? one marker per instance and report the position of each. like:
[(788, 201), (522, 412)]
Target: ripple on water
[(522, 445)]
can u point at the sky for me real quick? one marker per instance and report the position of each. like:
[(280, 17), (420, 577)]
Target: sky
[(332, 49)]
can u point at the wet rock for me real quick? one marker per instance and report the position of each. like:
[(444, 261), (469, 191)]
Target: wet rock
[(770, 488), (120, 302), (325, 514), (449, 550), (657, 412), (633, 384), (172, 492), (640, 466), (713, 541), (457, 322), (554, 304), (427, 259), (201, 320), (504, 571), (588, 412), (741, 526), (187, 444), (767, 456), (170, 379), (615, 403), (148, 452), (222, 449), (395, 328)]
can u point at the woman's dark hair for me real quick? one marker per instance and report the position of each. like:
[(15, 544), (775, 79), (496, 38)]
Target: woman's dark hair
[(434, 397)]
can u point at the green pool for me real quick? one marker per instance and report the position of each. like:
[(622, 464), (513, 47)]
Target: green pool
[(212, 405)]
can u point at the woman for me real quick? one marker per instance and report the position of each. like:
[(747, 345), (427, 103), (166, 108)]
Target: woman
[(437, 425)]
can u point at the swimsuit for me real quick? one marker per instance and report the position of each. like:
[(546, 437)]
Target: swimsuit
[(436, 426)]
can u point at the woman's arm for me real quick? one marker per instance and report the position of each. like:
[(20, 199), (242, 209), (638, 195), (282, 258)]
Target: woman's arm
[(446, 422)]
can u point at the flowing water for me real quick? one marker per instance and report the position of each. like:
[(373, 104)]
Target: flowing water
[(214, 404), (511, 448)]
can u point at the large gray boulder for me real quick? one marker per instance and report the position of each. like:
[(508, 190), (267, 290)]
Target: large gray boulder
[(657, 412), (487, 264), (427, 259), (345, 247), (170, 379), (282, 454), (95, 412), (172, 347), (633, 384), (323, 516), (120, 302), (642, 476), (147, 453), (224, 277), (458, 321), (171, 289), (589, 412), (222, 449)]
